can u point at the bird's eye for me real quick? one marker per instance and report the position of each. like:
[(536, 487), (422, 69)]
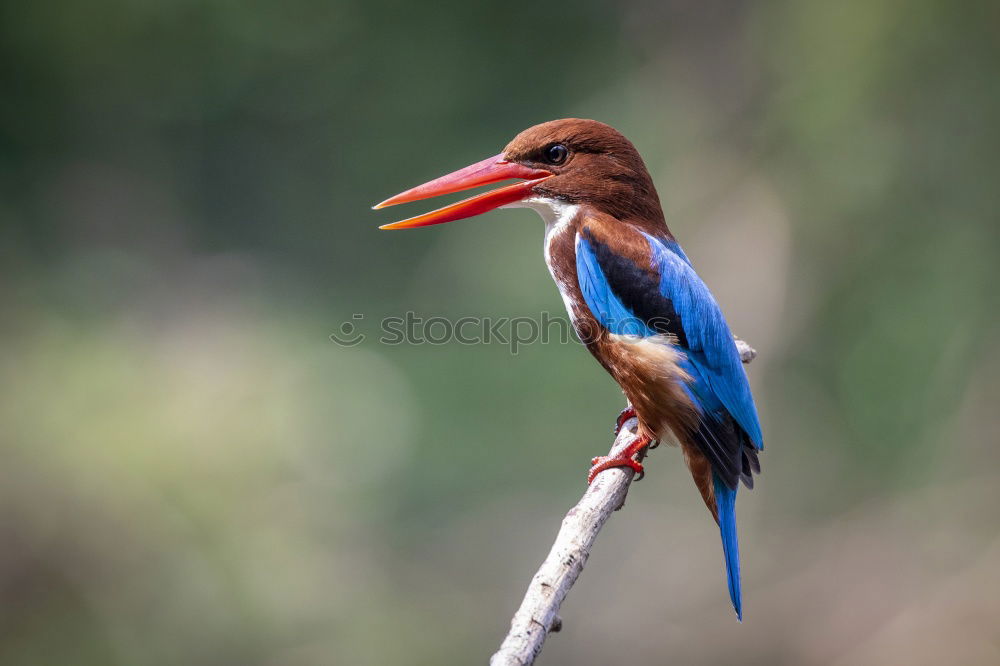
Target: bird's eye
[(556, 154)]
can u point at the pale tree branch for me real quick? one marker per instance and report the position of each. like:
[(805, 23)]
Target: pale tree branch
[(539, 611)]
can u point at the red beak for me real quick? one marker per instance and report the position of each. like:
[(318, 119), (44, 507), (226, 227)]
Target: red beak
[(491, 170)]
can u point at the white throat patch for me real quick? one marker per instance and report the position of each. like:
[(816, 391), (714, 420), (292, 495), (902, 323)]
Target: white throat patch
[(557, 216), (555, 213)]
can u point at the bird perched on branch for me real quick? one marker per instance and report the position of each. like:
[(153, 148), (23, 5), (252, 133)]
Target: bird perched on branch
[(634, 298)]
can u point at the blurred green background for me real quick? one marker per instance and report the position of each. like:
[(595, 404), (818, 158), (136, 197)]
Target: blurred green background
[(191, 472)]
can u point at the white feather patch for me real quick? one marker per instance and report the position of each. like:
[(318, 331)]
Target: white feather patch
[(557, 216)]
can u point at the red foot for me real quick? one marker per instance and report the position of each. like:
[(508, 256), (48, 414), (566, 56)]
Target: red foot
[(626, 414), (625, 459), (601, 463)]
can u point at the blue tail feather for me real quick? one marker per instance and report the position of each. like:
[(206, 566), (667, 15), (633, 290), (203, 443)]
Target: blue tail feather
[(725, 502)]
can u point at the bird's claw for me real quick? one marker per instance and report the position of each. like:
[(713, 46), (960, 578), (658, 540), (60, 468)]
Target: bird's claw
[(623, 417), (601, 463)]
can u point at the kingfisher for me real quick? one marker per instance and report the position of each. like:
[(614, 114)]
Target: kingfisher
[(634, 298)]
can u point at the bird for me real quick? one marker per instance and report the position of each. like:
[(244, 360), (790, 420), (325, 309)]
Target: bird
[(634, 298)]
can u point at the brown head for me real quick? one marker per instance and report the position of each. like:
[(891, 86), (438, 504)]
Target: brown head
[(573, 161), (591, 163)]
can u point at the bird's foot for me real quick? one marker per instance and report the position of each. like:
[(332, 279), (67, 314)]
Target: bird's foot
[(626, 414), (601, 463), (624, 459)]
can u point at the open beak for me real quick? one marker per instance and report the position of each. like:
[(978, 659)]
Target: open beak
[(491, 170)]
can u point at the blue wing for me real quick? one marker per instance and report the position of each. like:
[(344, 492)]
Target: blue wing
[(667, 297), (606, 306), (710, 346)]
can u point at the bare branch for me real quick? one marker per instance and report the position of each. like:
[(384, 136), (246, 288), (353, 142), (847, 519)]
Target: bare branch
[(539, 611), (747, 353)]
